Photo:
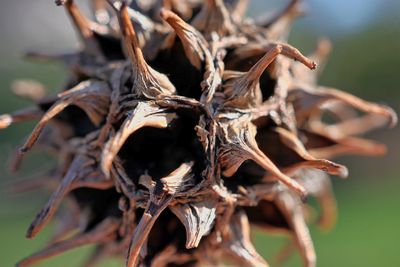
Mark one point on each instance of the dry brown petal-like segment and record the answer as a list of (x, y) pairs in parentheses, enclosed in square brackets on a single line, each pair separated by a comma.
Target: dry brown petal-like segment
[(240, 145), (146, 114), (301, 158), (198, 53), (193, 42), (81, 168), (239, 245), (214, 17), (91, 96), (197, 217)]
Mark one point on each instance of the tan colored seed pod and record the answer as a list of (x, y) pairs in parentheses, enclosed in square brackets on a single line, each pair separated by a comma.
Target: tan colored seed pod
[(182, 124)]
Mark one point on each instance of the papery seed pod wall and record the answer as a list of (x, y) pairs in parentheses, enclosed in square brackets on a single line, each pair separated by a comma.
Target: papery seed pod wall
[(183, 123)]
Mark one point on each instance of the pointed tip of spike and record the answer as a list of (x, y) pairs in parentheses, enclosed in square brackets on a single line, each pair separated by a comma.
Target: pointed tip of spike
[(5, 121), (393, 119), (164, 13), (343, 172), (313, 65), (62, 2), (31, 232)]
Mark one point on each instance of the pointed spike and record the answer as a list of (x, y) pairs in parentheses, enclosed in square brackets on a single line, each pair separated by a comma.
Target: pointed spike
[(139, 237), (48, 211), (291, 141), (239, 244), (261, 159), (214, 17), (19, 116), (249, 82), (291, 209), (193, 42), (327, 166), (352, 126), (363, 105), (242, 146), (83, 27), (294, 53), (55, 109), (102, 233), (349, 146), (254, 74), (5, 121), (131, 43), (157, 203)]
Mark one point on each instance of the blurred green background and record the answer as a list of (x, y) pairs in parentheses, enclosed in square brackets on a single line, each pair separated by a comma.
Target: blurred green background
[(365, 61)]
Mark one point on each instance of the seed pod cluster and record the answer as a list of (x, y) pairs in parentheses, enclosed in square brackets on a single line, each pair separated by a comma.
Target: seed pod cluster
[(181, 124)]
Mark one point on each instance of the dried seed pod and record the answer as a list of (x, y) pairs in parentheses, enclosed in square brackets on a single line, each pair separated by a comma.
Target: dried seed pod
[(216, 105)]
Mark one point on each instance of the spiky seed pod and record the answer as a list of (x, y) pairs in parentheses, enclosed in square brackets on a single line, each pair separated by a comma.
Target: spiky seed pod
[(181, 125)]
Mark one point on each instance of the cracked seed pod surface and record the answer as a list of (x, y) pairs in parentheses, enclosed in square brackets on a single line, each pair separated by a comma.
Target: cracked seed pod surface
[(181, 125)]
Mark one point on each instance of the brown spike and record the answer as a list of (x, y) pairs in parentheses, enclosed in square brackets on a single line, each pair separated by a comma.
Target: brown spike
[(159, 200), (214, 17), (83, 28), (363, 105), (48, 211), (19, 116), (244, 87), (147, 81), (290, 206), (193, 42), (290, 140), (72, 96), (131, 43), (104, 232)]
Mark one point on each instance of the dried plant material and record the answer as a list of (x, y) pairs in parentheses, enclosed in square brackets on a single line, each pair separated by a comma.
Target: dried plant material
[(161, 194), (198, 219), (103, 232), (239, 243), (144, 115), (214, 17), (228, 113)]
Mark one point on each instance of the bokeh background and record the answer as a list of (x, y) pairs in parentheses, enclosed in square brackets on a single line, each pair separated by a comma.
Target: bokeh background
[(365, 61)]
